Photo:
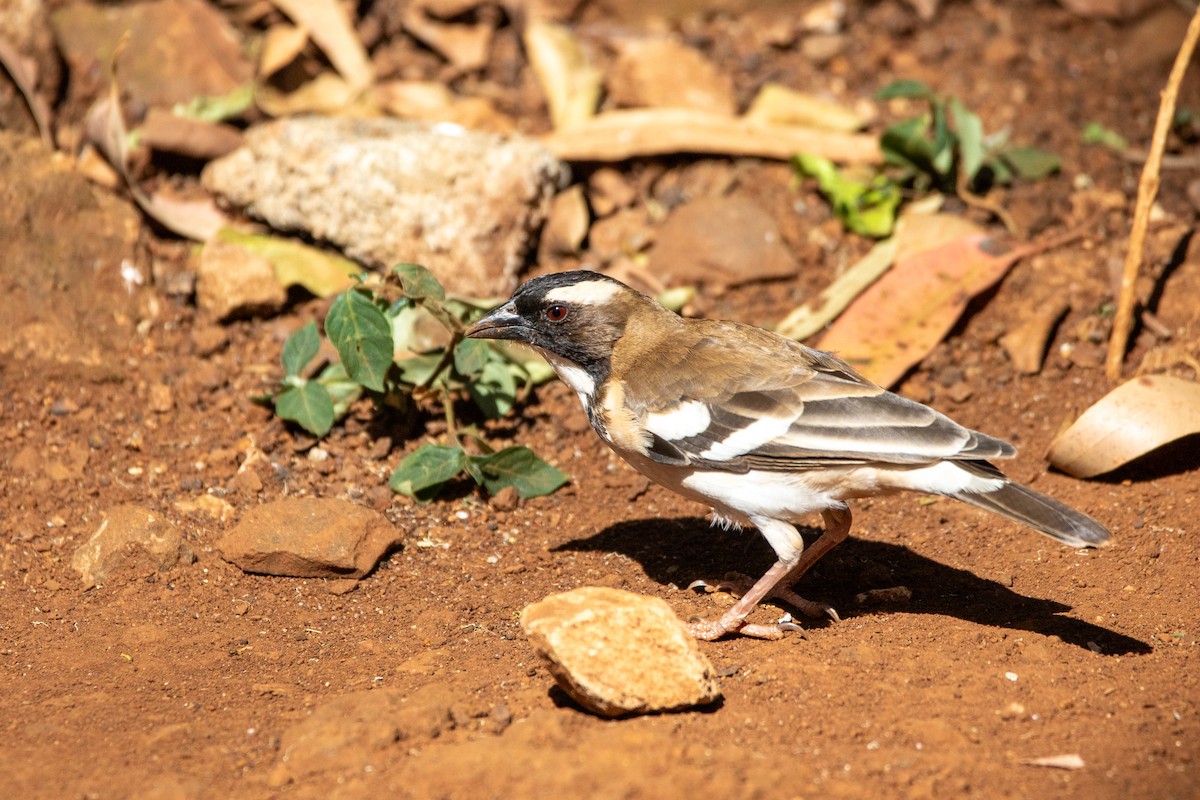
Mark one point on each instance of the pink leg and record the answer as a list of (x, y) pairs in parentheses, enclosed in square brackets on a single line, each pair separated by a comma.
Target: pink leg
[(775, 582)]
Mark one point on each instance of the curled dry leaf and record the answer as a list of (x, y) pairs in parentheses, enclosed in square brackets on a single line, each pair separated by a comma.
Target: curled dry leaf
[(24, 74), (281, 44), (1137, 417), (331, 29), (571, 84), (327, 93), (465, 46), (105, 129), (618, 135)]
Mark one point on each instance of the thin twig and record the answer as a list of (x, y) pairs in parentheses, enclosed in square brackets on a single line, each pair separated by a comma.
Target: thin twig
[(1147, 190)]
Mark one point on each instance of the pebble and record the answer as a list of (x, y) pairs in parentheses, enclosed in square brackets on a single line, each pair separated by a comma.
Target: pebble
[(129, 532), (309, 537), (617, 653)]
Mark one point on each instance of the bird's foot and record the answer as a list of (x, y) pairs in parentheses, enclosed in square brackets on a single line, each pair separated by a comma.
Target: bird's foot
[(709, 630), (738, 584)]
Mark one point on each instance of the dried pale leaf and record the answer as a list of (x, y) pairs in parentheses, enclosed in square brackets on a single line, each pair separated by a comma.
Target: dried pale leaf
[(280, 46), (898, 320), (571, 84), (24, 74), (780, 105), (1133, 419), (813, 316), (1026, 343), (619, 135), (297, 264), (434, 102), (162, 130), (333, 31), (105, 128), (327, 93), (566, 225), (1068, 761), (465, 46)]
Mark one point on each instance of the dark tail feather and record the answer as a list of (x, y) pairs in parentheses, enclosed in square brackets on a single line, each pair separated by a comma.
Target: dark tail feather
[(1042, 513)]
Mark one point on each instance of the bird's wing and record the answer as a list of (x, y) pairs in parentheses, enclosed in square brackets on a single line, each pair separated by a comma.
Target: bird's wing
[(756, 401)]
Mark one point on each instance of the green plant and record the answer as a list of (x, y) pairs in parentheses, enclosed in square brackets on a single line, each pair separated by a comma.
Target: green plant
[(946, 148), (943, 149), (435, 365)]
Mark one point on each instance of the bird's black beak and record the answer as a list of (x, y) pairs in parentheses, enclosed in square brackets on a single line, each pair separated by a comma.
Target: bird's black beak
[(500, 323)]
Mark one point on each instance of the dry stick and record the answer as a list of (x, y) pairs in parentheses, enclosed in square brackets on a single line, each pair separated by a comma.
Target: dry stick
[(1147, 189)]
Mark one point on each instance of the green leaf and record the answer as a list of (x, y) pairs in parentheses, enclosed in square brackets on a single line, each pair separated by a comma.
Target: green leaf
[(907, 144), (300, 348), (418, 283), (1031, 163), (308, 405), (866, 208), (417, 370), (970, 139), (421, 474), (362, 336), (520, 468), (905, 88), (1095, 133), (495, 390), (942, 143), (342, 390), (470, 356), (217, 108)]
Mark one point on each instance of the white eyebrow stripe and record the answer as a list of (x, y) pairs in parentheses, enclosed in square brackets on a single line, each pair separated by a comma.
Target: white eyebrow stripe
[(684, 420), (592, 293), (748, 439)]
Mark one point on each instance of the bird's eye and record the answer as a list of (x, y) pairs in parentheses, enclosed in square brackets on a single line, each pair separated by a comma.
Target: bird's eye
[(556, 313)]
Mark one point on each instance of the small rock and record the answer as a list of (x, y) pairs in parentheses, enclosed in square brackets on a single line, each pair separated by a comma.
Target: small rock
[(722, 240), (161, 399), (208, 339), (206, 505), (505, 499), (566, 225), (892, 596), (618, 653), (127, 532), (463, 203), (233, 282), (309, 537)]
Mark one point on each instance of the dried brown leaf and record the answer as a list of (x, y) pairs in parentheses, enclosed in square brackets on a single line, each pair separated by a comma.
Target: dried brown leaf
[(281, 44), (105, 129), (571, 84), (1026, 343), (24, 74), (162, 130), (1133, 419), (902, 316), (777, 104), (467, 47), (333, 31)]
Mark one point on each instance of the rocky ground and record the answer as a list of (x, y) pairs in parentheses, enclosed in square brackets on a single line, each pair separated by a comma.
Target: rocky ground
[(163, 669)]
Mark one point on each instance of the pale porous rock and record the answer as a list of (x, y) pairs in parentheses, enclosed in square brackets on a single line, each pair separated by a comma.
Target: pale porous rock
[(464, 204), (129, 533), (618, 653), (721, 240), (309, 537)]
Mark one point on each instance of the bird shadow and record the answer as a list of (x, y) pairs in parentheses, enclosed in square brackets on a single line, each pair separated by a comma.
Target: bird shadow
[(681, 550)]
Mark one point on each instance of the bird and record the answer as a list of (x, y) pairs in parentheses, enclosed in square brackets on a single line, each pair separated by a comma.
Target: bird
[(762, 429)]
